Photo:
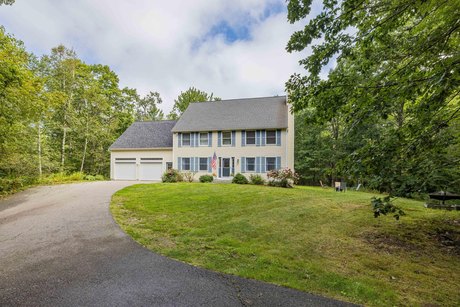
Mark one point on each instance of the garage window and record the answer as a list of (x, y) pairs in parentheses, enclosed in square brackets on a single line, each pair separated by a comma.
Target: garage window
[(186, 164)]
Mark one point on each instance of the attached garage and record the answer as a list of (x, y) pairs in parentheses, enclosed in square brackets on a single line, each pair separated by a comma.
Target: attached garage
[(150, 169), (125, 169), (142, 152)]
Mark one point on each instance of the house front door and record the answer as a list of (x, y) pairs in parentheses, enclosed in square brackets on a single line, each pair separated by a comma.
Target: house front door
[(226, 167)]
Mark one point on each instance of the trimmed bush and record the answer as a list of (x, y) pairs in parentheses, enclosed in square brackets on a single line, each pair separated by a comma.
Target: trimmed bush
[(90, 178), (256, 179), (189, 176), (240, 179), (172, 175), (99, 177), (206, 178)]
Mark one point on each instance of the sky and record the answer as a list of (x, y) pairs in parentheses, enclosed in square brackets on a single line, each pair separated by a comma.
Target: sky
[(234, 49)]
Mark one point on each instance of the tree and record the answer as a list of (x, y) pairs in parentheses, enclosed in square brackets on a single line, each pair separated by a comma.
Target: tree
[(187, 97), (147, 107), (397, 70), (6, 2), (19, 97)]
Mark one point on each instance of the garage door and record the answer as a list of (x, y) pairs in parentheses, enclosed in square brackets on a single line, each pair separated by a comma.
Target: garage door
[(125, 169), (150, 171)]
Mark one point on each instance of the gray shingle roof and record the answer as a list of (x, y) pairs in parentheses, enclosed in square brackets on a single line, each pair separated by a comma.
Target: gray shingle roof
[(153, 134), (235, 114)]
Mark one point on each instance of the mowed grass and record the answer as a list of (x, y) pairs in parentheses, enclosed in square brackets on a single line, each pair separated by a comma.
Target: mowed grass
[(307, 238)]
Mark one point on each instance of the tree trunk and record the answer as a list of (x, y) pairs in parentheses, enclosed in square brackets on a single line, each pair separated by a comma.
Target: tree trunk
[(39, 151), (86, 138)]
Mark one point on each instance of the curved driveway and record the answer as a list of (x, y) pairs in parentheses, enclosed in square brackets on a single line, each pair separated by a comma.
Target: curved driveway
[(60, 246)]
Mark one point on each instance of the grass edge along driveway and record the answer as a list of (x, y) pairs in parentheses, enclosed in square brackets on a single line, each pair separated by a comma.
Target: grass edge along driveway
[(307, 238)]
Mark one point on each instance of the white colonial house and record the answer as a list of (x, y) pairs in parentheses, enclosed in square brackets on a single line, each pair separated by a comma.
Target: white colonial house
[(248, 136)]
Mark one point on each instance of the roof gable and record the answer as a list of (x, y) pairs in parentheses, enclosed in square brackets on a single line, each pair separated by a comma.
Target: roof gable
[(235, 114), (150, 134)]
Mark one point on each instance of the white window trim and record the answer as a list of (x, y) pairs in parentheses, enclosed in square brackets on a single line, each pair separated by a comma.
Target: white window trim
[(182, 140), (189, 164), (266, 138), (246, 138), (199, 164), (199, 139), (266, 163), (246, 165), (231, 137)]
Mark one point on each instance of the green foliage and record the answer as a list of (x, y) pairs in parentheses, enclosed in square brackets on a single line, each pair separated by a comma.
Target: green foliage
[(147, 107), (206, 178), (187, 97), (240, 179), (256, 179), (385, 206), (387, 114), (172, 175), (99, 177)]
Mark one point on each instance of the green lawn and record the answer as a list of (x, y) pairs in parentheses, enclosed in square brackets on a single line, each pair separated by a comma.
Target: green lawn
[(307, 238)]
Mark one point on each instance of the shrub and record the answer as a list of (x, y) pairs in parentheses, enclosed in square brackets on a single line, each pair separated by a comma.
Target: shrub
[(206, 178), (99, 177), (385, 206), (256, 179), (90, 178), (240, 179), (172, 175), (189, 176), (282, 178)]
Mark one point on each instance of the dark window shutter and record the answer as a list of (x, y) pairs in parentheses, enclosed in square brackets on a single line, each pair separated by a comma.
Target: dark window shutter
[(233, 138), (243, 164), (179, 139), (219, 138), (263, 138), (278, 162), (243, 138), (179, 163), (278, 137), (210, 139)]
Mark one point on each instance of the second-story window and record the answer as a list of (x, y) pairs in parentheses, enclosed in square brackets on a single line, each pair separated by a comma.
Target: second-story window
[(185, 139), (250, 137), (270, 137), (227, 138), (204, 139)]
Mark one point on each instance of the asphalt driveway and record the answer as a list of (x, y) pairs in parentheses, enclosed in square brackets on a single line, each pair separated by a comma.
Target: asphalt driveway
[(60, 246)]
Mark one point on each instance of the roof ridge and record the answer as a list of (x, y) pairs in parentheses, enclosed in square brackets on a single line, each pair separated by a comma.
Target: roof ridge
[(250, 98)]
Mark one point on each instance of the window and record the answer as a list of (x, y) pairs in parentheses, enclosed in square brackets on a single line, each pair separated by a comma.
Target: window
[(227, 138), (186, 139), (270, 138), (203, 139), (250, 164), (250, 137), (203, 164), (270, 164), (168, 165), (186, 164)]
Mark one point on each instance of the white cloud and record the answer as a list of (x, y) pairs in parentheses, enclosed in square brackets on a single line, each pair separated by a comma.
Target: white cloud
[(151, 45)]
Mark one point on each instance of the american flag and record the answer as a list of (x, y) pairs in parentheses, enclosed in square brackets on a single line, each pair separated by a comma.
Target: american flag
[(214, 161)]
